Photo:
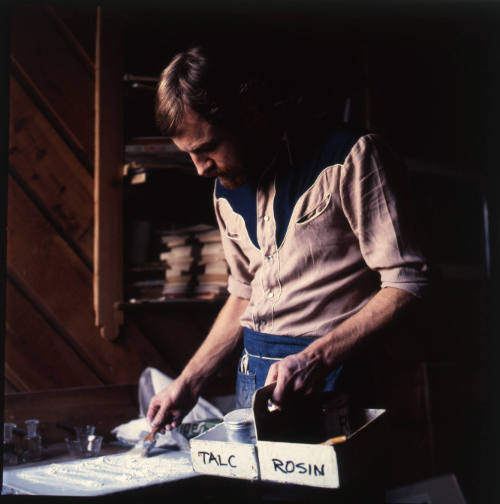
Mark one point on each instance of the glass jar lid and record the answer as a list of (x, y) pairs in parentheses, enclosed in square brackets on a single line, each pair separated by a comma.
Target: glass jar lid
[(239, 419)]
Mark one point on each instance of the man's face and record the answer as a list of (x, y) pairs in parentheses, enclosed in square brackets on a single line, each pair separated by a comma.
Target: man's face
[(214, 151)]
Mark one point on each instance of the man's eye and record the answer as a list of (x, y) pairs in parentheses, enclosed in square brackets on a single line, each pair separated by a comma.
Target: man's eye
[(211, 146)]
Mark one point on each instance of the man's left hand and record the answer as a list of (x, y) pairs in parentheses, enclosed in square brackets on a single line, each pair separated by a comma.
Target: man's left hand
[(298, 377)]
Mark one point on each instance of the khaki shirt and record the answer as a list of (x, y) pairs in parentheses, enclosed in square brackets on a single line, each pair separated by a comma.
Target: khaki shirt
[(314, 241)]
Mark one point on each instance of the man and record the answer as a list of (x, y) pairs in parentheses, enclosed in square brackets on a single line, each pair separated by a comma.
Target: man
[(319, 242)]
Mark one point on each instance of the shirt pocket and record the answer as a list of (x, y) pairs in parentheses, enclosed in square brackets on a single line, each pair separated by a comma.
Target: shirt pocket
[(234, 228), (311, 214), (232, 234)]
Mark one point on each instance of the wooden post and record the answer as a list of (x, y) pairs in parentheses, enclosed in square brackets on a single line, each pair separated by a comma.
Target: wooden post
[(108, 229)]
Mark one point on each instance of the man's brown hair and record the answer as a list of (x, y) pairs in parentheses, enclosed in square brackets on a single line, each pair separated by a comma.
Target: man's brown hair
[(219, 85)]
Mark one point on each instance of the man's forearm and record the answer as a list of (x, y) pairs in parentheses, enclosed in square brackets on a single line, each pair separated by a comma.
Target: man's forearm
[(220, 342), (349, 338)]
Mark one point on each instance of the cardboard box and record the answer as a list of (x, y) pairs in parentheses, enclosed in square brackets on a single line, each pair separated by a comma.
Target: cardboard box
[(212, 453), (278, 457), (316, 464)]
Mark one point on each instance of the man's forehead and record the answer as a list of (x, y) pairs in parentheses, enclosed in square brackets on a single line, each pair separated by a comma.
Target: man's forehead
[(192, 132)]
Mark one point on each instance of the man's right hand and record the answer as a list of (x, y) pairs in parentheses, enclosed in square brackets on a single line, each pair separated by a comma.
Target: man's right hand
[(168, 407)]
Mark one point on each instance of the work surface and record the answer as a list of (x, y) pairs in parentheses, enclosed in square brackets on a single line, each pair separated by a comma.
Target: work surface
[(106, 474), (163, 475)]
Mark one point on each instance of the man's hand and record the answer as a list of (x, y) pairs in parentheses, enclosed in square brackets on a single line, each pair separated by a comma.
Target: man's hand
[(302, 375), (171, 405), (298, 377)]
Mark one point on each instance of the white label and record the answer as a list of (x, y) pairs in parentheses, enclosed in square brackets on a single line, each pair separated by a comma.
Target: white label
[(236, 460), (300, 464)]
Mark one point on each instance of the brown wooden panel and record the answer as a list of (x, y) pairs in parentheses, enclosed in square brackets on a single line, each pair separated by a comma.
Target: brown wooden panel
[(62, 81), (31, 345), (78, 25), (105, 407), (108, 180), (56, 279), (50, 169)]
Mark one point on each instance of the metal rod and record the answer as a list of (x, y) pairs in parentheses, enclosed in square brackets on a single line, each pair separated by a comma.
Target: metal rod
[(130, 77)]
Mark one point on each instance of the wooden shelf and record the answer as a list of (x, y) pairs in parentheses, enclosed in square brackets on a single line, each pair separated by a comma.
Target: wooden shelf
[(170, 302)]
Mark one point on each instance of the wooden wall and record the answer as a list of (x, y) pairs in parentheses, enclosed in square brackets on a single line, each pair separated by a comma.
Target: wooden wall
[(51, 340)]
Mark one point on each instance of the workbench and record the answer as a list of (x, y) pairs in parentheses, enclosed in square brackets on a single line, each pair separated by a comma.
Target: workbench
[(107, 407)]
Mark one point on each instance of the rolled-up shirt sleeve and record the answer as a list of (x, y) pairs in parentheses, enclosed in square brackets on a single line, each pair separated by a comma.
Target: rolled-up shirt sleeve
[(239, 278), (376, 201)]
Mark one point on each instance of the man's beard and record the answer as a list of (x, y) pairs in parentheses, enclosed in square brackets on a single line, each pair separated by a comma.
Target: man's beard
[(232, 178), (232, 182)]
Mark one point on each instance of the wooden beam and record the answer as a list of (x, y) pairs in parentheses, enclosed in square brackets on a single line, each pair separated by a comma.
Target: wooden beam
[(108, 192)]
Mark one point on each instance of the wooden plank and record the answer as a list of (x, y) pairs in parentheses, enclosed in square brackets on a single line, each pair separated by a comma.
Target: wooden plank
[(55, 279), (51, 170), (108, 181), (78, 26), (104, 406), (60, 79), (31, 343)]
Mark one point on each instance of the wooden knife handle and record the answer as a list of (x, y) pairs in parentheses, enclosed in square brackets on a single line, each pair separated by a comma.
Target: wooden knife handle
[(152, 434), (335, 440)]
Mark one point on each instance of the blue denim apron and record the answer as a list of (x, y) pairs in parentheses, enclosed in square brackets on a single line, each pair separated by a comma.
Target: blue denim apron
[(261, 350)]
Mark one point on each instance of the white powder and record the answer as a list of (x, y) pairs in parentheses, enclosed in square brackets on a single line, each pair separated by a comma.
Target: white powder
[(120, 471)]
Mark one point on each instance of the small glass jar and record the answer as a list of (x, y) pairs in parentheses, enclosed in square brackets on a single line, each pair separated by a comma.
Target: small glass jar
[(9, 445), (82, 432), (88, 447), (32, 442), (239, 426)]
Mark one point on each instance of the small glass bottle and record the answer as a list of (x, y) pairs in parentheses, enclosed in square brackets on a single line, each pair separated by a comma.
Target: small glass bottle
[(32, 442), (9, 445)]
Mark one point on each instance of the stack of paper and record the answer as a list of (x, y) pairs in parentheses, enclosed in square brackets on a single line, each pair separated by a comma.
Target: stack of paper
[(194, 262)]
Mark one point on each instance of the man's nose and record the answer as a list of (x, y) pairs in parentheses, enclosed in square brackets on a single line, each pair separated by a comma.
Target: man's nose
[(203, 165)]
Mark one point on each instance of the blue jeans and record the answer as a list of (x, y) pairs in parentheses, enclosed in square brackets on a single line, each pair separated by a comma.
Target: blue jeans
[(261, 350)]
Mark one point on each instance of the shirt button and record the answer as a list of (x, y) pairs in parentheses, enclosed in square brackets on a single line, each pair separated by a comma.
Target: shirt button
[(266, 217), (270, 295), (270, 258)]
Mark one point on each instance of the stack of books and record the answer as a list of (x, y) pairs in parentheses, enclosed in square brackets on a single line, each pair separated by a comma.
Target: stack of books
[(194, 263)]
